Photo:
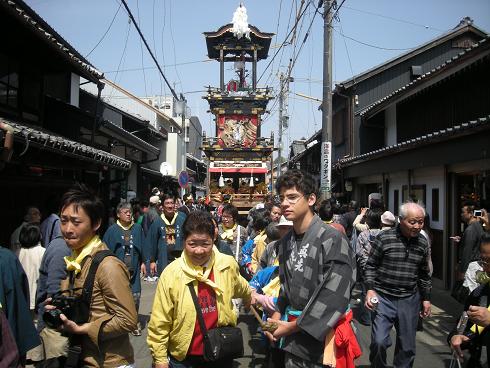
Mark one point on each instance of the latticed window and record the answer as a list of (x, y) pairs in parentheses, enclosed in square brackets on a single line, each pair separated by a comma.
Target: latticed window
[(9, 82)]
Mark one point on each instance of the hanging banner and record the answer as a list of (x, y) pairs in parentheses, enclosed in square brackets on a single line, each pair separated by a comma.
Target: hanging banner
[(326, 170), (237, 130)]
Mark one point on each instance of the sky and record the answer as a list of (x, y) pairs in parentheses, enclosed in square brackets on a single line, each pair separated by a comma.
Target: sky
[(366, 33)]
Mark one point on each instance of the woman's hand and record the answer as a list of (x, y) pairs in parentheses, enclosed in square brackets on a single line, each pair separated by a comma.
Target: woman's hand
[(161, 365)]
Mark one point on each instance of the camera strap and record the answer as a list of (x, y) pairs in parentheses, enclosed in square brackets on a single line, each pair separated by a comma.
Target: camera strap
[(75, 346), (88, 285)]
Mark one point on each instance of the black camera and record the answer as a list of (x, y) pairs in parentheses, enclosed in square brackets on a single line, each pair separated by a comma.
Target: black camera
[(71, 306)]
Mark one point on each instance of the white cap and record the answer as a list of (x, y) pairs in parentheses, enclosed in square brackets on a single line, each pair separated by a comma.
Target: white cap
[(387, 218), (284, 222), (155, 199)]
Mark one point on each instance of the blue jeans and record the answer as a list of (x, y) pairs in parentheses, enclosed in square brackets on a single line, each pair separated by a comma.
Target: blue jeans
[(403, 313), (198, 362)]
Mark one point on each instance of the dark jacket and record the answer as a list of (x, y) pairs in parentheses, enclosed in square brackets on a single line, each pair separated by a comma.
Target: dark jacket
[(14, 297), (479, 297)]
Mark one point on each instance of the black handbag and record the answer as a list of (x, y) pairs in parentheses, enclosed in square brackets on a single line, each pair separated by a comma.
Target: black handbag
[(221, 342), (460, 292)]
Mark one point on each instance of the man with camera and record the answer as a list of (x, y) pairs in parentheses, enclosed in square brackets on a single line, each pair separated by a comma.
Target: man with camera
[(470, 240), (96, 308), (475, 334)]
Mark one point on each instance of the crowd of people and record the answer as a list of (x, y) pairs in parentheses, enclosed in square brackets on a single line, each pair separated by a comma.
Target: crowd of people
[(70, 293)]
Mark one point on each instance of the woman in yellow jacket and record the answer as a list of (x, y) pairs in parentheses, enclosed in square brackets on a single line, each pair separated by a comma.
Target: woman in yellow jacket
[(174, 336)]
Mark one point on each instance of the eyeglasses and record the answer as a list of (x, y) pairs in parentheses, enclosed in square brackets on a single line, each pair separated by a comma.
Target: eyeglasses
[(227, 217), (292, 199)]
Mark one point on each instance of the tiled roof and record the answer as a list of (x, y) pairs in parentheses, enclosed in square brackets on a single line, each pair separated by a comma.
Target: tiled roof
[(64, 146), (464, 26), (443, 134), (423, 77), (32, 19)]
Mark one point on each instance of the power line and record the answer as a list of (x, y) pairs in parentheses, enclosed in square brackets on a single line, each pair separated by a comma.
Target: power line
[(284, 42), (106, 32), (154, 67), (346, 50), (141, 47), (149, 50), (371, 45), (395, 19), (122, 55)]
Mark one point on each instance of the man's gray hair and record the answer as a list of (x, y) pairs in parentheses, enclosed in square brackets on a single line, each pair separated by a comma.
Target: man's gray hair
[(123, 206), (407, 206)]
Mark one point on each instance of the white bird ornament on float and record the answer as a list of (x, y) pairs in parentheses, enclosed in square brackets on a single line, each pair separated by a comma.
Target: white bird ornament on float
[(240, 23)]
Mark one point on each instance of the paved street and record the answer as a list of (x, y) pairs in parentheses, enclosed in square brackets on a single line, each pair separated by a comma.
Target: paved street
[(432, 350)]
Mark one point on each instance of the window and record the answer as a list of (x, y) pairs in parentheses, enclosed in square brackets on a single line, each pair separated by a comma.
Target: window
[(435, 204), (9, 82), (396, 201)]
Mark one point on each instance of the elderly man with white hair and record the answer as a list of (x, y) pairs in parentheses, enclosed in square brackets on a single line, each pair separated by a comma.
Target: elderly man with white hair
[(397, 279)]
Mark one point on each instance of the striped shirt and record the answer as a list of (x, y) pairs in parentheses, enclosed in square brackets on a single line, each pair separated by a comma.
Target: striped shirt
[(398, 265)]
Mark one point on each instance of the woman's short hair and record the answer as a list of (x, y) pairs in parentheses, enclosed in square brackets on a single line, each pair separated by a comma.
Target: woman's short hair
[(261, 218), (272, 232), (30, 236), (325, 211), (198, 222), (231, 210), (123, 206), (373, 218)]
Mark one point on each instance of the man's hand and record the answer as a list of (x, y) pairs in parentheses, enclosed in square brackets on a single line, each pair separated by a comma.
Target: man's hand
[(143, 269), (71, 327), (153, 268), (367, 301), (479, 315), (456, 342), (161, 365), (426, 309), (283, 328), (455, 238)]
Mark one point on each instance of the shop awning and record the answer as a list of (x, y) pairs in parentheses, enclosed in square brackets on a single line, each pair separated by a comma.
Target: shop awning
[(240, 170)]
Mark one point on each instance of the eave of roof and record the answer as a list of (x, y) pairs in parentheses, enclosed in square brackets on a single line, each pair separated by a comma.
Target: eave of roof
[(407, 55), (446, 65), (130, 139), (470, 127), (32, 19), (54, 143)]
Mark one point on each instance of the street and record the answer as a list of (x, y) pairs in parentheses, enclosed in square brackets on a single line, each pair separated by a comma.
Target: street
[(432, 349)]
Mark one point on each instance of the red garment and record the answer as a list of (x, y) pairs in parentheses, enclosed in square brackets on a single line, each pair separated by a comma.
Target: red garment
[(207, 300), (338, 227), (347, 347)]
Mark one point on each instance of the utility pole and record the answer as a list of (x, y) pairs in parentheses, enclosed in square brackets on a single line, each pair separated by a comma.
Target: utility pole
[(281, 106), (327, 155)]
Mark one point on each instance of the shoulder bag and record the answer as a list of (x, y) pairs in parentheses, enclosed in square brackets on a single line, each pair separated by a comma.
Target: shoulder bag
[(221, 342)]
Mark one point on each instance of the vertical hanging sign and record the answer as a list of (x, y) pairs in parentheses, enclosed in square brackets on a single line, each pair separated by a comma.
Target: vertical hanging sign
[(326, 170)]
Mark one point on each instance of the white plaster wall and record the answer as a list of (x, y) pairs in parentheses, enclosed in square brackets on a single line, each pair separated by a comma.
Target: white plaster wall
[(174, 153), (75, 90), (390, 125), (432, 177)]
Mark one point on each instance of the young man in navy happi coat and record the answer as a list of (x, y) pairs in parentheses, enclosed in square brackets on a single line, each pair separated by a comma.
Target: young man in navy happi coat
[(125, 240)]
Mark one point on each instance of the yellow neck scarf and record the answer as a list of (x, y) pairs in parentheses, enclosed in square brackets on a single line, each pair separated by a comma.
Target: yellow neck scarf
[(228, 232), (328, 222), (74, 262), (260, 237), (171, 222), (480, 328), (194, 272), (125, 227)]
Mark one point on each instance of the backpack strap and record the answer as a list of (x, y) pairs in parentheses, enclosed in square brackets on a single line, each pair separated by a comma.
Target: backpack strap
[(88, 285)]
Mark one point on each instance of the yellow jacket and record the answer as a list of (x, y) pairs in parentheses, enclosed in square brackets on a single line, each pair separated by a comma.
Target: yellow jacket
[(260, 246), (173, 316)]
